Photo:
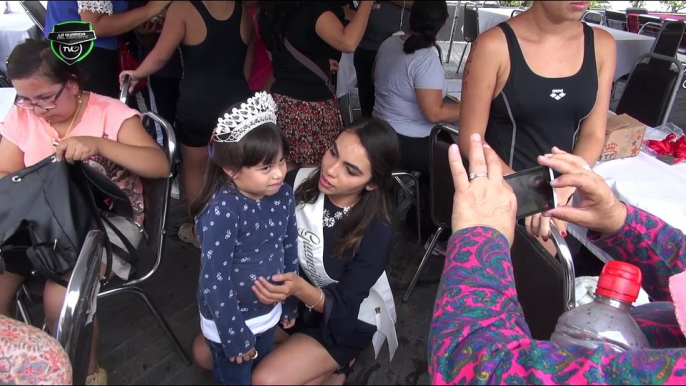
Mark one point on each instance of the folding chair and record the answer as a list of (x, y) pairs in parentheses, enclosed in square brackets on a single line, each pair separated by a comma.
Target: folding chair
[(594, 17), (411, 193), (471, 28), (156, 195), (651, 89), (442, 193), (615, 19), (544, 283), (74, 328), (668, 37), (36, 12)]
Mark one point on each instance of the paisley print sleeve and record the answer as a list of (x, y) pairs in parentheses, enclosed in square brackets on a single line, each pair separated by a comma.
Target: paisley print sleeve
[(479, 336), (29, 356), (650, 244)]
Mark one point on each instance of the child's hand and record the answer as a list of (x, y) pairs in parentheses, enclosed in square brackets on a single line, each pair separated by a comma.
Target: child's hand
[(287, 323), (252, 354), (269, 293)]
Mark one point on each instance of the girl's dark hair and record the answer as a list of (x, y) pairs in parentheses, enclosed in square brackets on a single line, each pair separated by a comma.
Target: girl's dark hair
[(35, 58), (426, 19), (276, 16), (260, 145), (383, 149)]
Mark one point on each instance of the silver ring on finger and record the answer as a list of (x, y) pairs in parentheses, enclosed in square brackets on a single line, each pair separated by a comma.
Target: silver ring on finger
[(588, 167), (477, 175)]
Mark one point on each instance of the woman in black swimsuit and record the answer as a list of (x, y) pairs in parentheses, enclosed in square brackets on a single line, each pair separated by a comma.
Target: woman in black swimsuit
[(539, 80), (216, 39)]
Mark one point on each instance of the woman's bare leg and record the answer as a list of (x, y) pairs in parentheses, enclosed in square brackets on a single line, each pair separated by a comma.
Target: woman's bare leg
[(202, 356), (194, 165), (297, 361)]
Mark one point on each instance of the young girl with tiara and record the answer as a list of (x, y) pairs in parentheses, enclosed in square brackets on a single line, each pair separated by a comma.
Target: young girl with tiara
[(245, 221)]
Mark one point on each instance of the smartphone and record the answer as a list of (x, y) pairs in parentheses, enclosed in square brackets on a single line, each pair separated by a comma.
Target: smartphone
[(533, 191)]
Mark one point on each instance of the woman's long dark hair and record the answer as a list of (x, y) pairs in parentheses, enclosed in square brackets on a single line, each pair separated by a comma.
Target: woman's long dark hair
[(261, 144), (426, 19), (381, 144), (35, 57)]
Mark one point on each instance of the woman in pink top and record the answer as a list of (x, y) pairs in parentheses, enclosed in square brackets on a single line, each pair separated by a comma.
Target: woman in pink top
[(53, 115)]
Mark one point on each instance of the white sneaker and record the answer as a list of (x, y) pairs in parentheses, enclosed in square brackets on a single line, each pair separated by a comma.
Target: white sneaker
[(176, 189)]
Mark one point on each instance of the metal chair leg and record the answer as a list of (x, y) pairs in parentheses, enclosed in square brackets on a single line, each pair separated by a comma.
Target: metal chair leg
[(22, 311), (462, 57), (430, 249), (160, 319), (413, 196)]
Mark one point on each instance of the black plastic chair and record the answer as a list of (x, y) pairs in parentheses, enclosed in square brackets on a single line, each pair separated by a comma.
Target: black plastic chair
[(441, 192), (36, 12), (651, 89), (557, 274), (645, 19), (545, 283), (74, 328), (667, 41), (411, 192), (471, 28), (615, 19)]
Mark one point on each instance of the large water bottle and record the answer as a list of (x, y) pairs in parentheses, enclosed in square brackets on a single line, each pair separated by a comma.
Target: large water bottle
[(606, 320)]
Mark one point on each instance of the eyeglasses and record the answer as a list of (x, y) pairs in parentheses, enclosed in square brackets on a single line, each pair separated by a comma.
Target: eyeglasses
[(27, 104)]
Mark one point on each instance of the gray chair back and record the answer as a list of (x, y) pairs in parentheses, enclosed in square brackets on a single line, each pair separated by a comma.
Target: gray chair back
[(74, 328)]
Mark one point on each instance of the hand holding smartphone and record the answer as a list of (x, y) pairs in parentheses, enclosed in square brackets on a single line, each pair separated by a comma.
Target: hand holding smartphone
[(533, 191)]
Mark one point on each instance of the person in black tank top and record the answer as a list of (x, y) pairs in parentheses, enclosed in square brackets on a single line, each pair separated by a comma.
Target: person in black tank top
[(539, 80), (532, 113), (214, 77)]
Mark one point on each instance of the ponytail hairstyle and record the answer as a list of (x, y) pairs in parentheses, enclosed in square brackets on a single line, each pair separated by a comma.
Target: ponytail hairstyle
[(259, 145), (426, 19), (383, 149)]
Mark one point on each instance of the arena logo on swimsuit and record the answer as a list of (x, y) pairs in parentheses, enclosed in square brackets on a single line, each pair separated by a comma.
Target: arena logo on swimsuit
[(308, 239), (72, 41), (558, 94)]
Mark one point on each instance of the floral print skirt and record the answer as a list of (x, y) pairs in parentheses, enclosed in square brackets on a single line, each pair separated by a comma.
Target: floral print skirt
[(311, 127)]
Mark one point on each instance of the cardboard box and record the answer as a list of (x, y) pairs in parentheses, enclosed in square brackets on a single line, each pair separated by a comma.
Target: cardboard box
[(623, 137)]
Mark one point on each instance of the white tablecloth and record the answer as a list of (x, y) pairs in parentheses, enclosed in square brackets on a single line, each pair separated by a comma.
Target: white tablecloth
[(645, 183), (14, 27), (630, 46), (491, 17)]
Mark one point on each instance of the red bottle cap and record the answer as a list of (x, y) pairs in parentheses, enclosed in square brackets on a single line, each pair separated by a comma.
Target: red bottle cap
[(620, 281)]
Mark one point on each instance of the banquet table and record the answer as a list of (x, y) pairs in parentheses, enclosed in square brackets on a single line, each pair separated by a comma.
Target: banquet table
[(14, 27), (646, 183), (630, 46)]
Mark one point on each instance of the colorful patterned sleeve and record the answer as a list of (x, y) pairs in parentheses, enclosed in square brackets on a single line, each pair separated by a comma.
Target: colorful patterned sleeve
[(479, 336), (650, 244)]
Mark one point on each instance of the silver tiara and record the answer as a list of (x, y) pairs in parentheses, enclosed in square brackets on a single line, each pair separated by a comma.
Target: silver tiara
[(259, 109)]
